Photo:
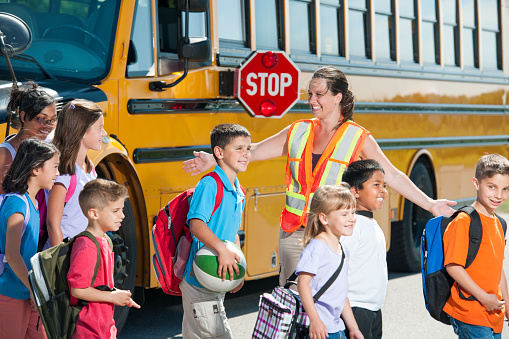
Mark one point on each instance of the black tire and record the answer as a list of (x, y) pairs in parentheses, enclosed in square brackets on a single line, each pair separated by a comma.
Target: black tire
[(404, 254), (126, 236)]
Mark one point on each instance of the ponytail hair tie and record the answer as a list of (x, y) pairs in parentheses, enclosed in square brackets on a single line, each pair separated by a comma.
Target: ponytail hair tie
[(72, 106)]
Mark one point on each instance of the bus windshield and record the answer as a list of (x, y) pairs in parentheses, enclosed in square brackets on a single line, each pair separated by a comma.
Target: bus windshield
[(72, 39)]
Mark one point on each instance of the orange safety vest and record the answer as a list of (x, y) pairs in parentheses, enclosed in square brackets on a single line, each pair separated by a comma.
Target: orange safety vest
[(301, 180)]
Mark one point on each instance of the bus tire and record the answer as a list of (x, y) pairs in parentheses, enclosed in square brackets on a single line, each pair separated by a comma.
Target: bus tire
[(404, 254), (127, 233)]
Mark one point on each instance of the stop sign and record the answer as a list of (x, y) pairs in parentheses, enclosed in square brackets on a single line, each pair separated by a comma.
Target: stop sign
[(267, 84)]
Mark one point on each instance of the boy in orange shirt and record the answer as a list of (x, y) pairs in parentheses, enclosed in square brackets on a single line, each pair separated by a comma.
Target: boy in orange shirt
[(484, 279)]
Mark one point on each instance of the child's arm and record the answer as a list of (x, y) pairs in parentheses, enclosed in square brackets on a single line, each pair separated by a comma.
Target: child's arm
[(460, 275), (227, 259), (117, 297), (350, 322), (317, 329), (56, 203), (236, 289), (505, 292), (13, 248)]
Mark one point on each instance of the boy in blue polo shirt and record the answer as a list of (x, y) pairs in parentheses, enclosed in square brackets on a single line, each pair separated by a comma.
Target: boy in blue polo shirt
[(204, 313)]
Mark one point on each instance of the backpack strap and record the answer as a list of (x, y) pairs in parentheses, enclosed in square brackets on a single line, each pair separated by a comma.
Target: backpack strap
[(98, 262), (503, 223), (220, 191), (72, 187)]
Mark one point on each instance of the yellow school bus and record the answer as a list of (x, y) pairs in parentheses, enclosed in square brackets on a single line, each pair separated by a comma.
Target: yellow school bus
[(430, 80)]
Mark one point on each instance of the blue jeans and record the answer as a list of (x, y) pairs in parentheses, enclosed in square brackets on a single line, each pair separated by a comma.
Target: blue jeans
[(337, 335), (467, 331)]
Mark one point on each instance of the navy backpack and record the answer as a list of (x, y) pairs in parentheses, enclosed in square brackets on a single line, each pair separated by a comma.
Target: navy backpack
[(436, 282)]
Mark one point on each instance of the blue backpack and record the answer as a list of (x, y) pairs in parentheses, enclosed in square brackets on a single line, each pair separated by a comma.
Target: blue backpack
[(436, 282)]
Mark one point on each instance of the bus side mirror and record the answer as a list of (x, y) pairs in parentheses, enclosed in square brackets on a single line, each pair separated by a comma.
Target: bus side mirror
[(198, 49), (194, 5)]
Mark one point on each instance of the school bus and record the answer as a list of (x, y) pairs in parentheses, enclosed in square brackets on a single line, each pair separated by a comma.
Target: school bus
[(430, 80)]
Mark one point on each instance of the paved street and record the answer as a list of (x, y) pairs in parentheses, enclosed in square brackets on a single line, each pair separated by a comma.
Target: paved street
[(404, 313)]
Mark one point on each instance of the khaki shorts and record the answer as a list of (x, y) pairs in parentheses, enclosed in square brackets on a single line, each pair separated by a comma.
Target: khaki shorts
[(290, 249), (204, 314)]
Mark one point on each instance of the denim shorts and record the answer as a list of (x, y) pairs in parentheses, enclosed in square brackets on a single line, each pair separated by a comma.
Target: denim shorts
[(467, 331), (337, 335)]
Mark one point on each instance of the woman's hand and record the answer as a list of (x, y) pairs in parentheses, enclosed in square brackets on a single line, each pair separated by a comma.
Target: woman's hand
[(441, 207), (202, 162)]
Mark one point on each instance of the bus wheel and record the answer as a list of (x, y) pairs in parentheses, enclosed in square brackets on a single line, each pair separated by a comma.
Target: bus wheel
[(404, 254), (125, 250)]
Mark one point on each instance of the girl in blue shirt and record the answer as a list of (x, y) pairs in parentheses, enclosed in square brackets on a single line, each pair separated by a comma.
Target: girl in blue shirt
[(331, 215), (35, 167)]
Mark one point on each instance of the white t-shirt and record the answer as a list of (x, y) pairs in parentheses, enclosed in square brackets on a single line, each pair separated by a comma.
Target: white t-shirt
[(73, 220), (367, 272)]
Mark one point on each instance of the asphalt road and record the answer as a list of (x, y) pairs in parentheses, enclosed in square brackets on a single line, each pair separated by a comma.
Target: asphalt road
[(404, 313)]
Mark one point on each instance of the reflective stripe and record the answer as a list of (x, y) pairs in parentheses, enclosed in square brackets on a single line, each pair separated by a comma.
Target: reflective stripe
[(333, 172), (298, 139), (295, 203), (297, 143)]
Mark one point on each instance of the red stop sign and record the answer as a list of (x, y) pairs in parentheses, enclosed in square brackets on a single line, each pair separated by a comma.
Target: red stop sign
[(267, 84)]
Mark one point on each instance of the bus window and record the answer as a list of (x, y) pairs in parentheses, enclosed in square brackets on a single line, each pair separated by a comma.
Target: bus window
[(384, 30), (331, 23), (141, 51), (232, 23), (408, 51), (302, 36), (470, 34), (490, 35), (429, 33), (450, 36), (359, 28), (269, 24)]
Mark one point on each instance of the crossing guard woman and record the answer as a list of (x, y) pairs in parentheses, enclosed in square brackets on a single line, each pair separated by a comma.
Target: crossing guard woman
[(318, 150)]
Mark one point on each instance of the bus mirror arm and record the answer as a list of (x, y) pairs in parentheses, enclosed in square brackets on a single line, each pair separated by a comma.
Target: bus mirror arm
[(194, 49)]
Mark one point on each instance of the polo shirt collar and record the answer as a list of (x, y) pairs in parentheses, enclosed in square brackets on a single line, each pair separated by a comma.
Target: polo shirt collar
[(226, 182)]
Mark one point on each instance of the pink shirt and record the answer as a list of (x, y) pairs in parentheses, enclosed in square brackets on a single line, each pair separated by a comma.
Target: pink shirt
[(95, 319)]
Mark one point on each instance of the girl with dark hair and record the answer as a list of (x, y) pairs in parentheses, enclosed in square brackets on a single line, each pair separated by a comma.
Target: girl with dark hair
[(80, 128), (34, 168), (318, 150), (35, 116)]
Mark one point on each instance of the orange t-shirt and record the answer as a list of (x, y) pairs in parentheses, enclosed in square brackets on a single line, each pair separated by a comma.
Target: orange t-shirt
[(486, 269)]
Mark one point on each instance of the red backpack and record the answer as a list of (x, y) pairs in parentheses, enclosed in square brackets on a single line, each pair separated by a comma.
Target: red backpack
[(172, 238)]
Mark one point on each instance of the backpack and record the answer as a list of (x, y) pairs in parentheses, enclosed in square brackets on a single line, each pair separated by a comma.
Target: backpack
[(436, 282), (43, 209), (49, 285), (172, 238), (3, 261)]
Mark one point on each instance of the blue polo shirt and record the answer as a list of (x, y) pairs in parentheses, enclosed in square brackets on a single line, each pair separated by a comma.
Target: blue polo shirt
[(10, 285), (226, 220)]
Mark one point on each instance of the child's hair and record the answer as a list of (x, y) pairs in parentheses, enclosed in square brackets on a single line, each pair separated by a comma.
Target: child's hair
[(326, 199), (30, 99), (358, 172), (491, 164), (32, 154), (73, 122), (223, 134), (98, 193)]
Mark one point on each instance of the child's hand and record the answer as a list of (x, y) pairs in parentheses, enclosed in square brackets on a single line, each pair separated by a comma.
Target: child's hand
[(491, 303), (123, 298), (318, 330), (227, 263), (236, 289), (33, 304), (356, 334)]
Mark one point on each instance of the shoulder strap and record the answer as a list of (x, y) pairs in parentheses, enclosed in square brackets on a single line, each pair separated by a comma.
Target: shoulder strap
[(9, 147), (333, 277), (72, 187), (219, 194), (96, 268), (108, 239)]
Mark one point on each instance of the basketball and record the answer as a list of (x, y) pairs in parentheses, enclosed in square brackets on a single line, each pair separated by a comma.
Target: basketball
[(205, 267)]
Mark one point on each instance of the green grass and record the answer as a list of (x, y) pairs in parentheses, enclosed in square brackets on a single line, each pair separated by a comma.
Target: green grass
[(504, 208)]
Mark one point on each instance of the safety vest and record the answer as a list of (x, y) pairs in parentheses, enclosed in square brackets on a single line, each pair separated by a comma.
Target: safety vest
[(301, 180)]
